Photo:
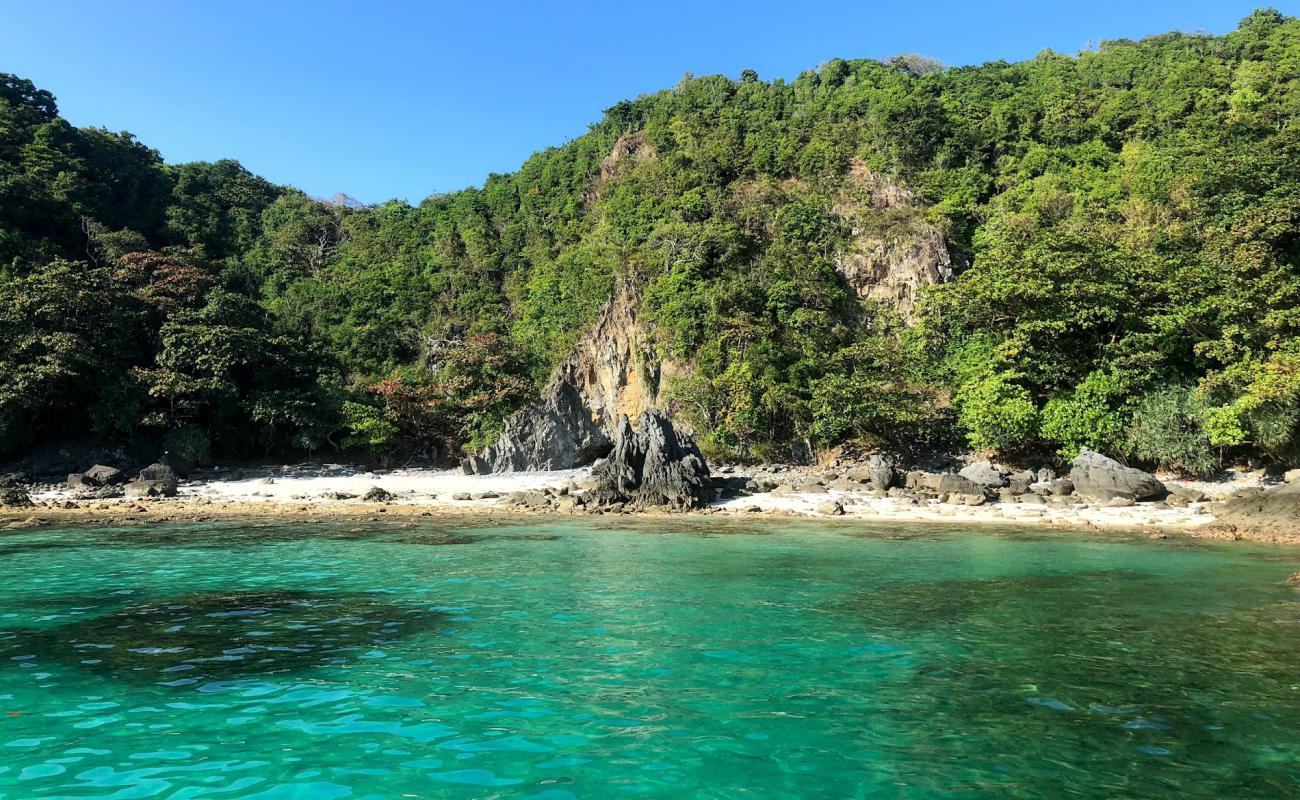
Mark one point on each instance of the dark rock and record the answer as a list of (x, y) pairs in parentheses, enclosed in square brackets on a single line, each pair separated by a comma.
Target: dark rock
[(731, 486), (77, 480), (1102, 478), (12, 480), (13, 497), (159, 472), (652, 465), (180, 464), (376, 494), (985, 474), (475, 465), (102, 475)]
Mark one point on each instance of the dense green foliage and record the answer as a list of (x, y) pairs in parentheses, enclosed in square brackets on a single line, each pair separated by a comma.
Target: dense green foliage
[(1126, 220)]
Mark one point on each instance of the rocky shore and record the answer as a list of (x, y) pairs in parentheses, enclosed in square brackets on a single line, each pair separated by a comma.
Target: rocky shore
[(650, 472)]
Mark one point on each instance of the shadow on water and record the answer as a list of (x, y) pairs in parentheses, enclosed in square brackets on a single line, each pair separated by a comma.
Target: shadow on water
[(223, 635), (209, 537)]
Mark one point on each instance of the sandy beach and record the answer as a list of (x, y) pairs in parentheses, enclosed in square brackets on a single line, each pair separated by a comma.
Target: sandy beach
[(335, 493)]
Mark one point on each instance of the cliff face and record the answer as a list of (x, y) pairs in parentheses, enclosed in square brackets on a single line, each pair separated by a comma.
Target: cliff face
[(609, 374), (612, 374), (894, 251)]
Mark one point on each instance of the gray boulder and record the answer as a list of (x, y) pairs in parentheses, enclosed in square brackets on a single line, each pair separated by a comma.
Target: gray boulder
[(1102, 478), (155, 480), (881, 471), (143, 488), (1020, 482), (652, 465), (102, 475), (985, 474), (947, 483), (831, 509)]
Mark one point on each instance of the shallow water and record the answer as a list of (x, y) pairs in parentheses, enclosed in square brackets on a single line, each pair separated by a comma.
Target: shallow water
[(656, 660)]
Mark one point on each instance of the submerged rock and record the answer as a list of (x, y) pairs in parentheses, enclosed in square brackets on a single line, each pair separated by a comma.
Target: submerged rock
[(1102, 478), (652, 465)]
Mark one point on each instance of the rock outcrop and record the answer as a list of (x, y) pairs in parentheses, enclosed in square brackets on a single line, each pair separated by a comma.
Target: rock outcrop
[(13, 497), (1264, 513), (609, 374), (893, 250), (651, 465), (1102, 478)]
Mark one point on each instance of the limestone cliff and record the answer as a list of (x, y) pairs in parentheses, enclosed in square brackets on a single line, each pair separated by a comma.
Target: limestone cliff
[(609, 374), (893, 250)]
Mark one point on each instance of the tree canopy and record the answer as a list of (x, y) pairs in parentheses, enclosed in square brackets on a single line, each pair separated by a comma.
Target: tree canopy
[(1125, 223)]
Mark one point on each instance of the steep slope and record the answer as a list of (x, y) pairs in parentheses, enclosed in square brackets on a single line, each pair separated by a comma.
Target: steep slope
[(893, 250), (611, 373)]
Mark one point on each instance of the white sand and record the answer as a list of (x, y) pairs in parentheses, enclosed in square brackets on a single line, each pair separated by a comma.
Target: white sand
[(862, 506), (436, 488), (420, 486)]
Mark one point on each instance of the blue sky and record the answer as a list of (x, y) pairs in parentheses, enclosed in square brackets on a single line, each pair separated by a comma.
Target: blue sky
[(385, 99)]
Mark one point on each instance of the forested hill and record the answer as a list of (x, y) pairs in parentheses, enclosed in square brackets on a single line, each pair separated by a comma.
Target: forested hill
[(1122, 224)]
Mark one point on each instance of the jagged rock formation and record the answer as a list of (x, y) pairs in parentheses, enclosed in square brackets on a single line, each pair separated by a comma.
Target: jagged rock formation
[(652, 465), (609, 374), (894, 251)]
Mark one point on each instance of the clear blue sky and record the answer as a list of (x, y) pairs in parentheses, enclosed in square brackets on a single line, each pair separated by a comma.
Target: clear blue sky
[(385, 99)]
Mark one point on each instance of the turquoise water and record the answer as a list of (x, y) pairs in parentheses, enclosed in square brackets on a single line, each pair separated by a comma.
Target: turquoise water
[(659, 659)]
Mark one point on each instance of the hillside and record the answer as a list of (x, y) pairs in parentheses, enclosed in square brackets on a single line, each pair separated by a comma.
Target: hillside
[(1096, 251)]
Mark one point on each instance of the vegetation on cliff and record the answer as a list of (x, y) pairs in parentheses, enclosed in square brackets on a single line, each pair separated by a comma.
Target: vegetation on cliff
[(1124, 225)]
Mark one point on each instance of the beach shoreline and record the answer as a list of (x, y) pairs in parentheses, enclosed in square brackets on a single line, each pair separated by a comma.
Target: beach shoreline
[(290, 495)]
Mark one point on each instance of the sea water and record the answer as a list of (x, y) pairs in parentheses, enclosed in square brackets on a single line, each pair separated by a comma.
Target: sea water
[(652, 658)]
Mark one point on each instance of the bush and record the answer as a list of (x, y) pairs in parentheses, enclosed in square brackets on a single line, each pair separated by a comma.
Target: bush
[(1168, 431), (190, 443), (1086, 416), (997, 414)]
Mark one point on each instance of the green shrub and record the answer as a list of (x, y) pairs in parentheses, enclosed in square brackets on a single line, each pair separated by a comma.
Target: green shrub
[(997, 414), (1086, 416), (1169, 431), (190, 443)]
